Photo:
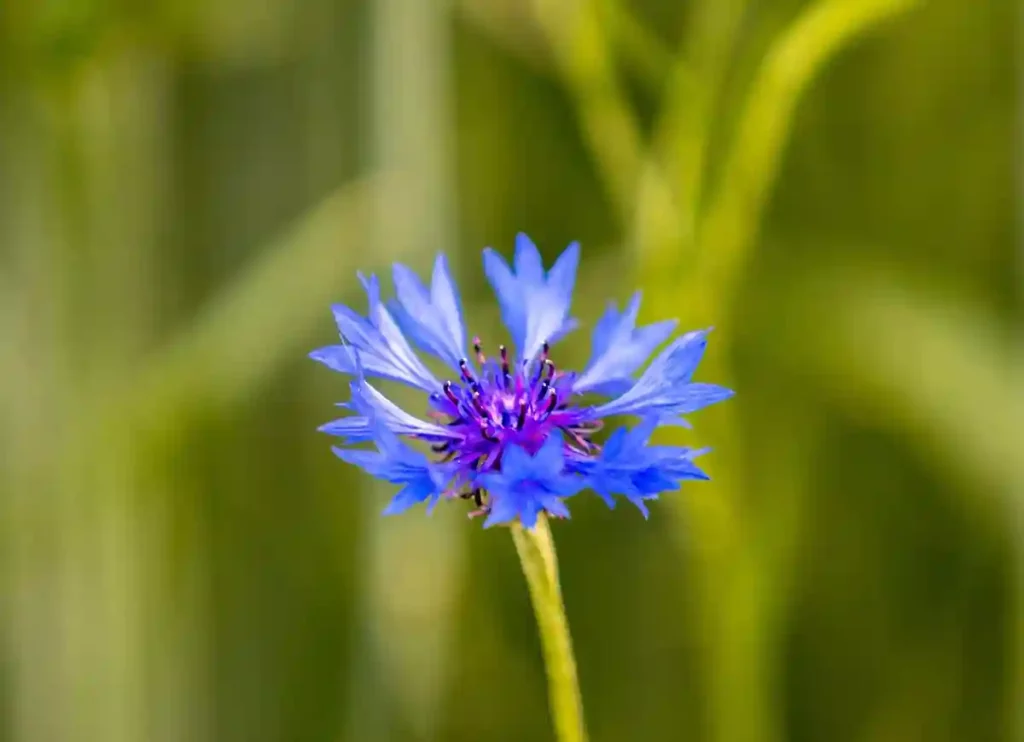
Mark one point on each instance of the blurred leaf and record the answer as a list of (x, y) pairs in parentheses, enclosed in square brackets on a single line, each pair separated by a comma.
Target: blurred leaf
[(581, 46), (931, 364), (639, 46), (695, 84), (257, 323), (726, 231)]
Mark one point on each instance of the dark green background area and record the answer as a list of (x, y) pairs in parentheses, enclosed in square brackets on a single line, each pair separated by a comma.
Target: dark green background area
[(186, 187)]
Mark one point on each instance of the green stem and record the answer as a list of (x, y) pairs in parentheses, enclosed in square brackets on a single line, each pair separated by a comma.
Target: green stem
[(540, 565)]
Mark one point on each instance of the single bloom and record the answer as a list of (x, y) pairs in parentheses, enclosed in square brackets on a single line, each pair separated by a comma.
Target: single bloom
[(513, 432)]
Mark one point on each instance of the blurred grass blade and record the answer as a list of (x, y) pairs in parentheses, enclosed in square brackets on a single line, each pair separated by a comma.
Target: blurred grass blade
[(263, 319), (404, 635), (729, 226), (695, 85), (934, 366), (937, 369), (583, 51), (639, 46)]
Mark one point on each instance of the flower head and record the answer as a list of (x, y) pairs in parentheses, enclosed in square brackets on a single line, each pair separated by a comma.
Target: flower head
[(511, 432)]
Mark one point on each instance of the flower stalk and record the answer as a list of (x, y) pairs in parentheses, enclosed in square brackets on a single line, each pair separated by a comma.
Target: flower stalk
[(537, 555)]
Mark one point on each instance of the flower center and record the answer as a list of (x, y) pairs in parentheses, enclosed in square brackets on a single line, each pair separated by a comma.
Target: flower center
[(500, 403)]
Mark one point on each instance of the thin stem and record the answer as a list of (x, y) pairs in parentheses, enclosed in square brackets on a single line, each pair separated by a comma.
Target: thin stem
[(540, 565)]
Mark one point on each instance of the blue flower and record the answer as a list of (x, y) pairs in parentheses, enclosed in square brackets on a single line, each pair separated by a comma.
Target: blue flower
[(512, 432)]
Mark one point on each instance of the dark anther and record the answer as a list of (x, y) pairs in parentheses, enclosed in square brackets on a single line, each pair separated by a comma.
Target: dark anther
[(504, 364), (521, 420), (544, 351), (480, 357), (478, 497), (466, 373), (544, 387), (540, 373), (552, 401), (448, 392), (440, 447), (546, 384)]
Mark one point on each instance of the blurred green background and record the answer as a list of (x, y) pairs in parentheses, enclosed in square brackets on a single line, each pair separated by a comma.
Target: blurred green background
[(185, 186)]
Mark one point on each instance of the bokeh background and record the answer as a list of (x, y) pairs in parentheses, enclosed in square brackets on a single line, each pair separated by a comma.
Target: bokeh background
[(186, 186)]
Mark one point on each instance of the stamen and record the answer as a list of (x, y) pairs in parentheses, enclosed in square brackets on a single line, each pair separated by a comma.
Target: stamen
[(540, 372), (480, 357), (546, 384), (521, 421), (478, 405), (505, 373), (478, 497), (450, 394), (552, 403), (440, 447), (544, 351), (487, 434), (582, 442), (467, 375)]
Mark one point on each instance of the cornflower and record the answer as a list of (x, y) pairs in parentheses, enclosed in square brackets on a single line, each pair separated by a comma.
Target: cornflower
[(511, 431)]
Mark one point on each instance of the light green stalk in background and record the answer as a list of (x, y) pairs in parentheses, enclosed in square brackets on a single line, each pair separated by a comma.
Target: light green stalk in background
[(673, 219), (537, 555)]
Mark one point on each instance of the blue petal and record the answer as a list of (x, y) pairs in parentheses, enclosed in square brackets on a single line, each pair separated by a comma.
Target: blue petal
[(412, 494), (444, 295), (529, 265), (509, 295), (550, 459), (393, 461), (340, 358), (383, 349), (374, 409), (547, 308), (663, 390), (527, 485), (628, 466), (534, 307), (515, 463), (554, 505), (641, 507), (619, 349), (504, 509), (432, 318)]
